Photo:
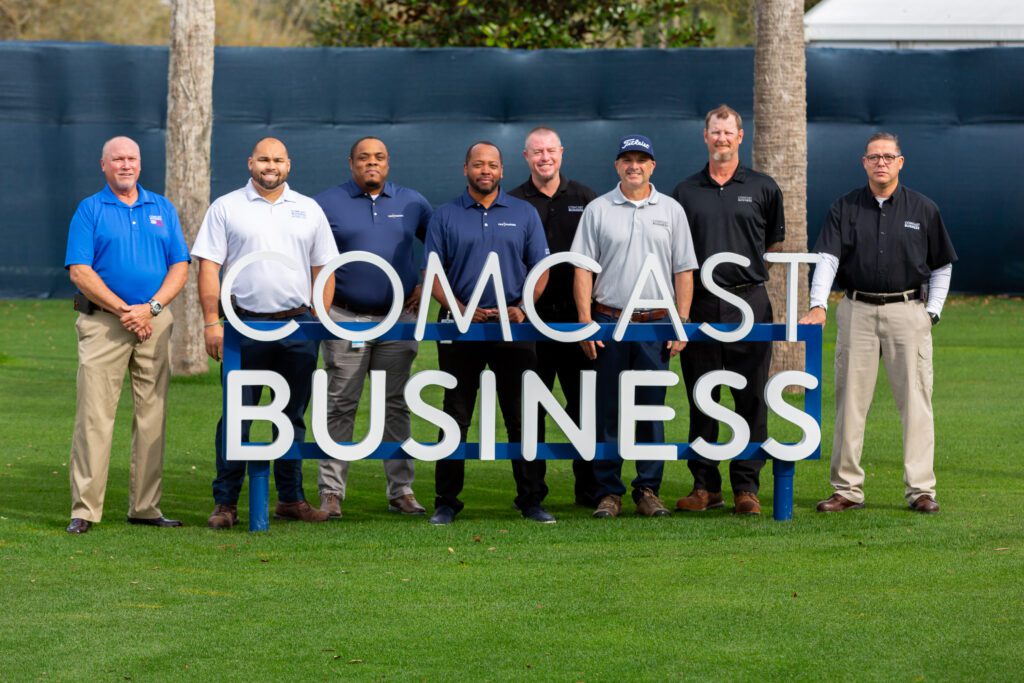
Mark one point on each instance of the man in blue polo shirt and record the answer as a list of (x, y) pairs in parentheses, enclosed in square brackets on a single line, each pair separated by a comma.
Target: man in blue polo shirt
[(370, 213), (462, 233), (128, 259)]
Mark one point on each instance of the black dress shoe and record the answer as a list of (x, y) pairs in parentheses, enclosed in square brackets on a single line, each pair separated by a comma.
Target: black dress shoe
[(443, 515), (155, 521), (78, 525)]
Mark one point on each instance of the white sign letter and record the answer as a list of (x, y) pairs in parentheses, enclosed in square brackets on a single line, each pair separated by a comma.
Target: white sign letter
[(666, 299), (229, 311), (740, 428), (443, 420), (707, 270), (530, 308), (630, 413), (236, 413), (581, 436), (792, 280), (374, 436), (812, 430), (397, 296)]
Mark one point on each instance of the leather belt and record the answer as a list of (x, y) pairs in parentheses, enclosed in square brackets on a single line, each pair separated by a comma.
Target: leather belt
[(280, 315), (637, 317), (341, 303), (881, 299)]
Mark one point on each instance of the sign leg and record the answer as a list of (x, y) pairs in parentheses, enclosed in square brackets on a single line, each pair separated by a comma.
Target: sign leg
[(783, 496), (259, 495)]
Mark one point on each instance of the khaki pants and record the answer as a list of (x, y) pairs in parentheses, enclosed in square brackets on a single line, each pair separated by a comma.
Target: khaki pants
[(105, 351), (347, 370), (901, 335)]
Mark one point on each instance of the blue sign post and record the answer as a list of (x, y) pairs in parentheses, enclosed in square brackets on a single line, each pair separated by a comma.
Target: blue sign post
[(810, 335)]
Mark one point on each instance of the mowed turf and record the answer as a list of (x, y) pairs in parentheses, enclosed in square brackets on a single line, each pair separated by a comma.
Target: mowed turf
[(877, 594)]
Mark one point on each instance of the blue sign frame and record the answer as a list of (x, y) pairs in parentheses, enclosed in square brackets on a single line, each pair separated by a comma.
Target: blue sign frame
[(783, 471)]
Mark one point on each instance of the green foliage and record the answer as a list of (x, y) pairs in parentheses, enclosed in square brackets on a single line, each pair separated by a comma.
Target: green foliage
[(526, 24)]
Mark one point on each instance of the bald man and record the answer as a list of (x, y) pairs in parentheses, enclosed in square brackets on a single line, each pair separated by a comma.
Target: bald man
[(265, 215), (128, 259)]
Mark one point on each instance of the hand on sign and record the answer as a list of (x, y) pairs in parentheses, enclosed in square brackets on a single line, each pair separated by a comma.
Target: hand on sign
[(516, 315), (590, 348), (412, 303), (674, 347), (213, 337), (815, 316), (482, 315)]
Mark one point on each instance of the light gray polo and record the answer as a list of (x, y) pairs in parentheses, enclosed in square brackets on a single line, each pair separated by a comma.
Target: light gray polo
[(619, 234)]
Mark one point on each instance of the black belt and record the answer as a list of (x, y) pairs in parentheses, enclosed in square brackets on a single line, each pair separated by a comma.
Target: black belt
[(341, 303), (280, 315), (637, 317), (881, 299)]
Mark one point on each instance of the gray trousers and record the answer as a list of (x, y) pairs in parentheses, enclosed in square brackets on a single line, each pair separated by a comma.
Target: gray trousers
[(347, 370)]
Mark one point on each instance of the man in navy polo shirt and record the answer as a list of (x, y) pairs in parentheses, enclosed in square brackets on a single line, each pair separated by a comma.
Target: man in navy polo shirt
[(128, 259), (462, 233), (370, 213)]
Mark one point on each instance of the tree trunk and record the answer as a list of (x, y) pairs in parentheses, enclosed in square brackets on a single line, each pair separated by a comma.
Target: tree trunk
[(187, 179), (780, 144)]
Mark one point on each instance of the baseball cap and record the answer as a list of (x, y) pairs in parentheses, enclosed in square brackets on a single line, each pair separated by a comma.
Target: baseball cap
[(635, 143)]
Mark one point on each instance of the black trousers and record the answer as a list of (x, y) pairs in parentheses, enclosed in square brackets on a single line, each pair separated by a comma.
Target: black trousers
[(508, 361), (750, 359)]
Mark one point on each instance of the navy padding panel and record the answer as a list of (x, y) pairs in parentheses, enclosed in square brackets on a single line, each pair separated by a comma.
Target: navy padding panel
[(960, 116)]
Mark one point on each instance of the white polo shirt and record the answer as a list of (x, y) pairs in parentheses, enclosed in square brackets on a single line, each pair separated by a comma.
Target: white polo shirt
[(619, 234), (243, 222)]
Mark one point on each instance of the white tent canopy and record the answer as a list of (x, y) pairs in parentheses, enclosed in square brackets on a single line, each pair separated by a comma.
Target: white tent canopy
[(915, 23)]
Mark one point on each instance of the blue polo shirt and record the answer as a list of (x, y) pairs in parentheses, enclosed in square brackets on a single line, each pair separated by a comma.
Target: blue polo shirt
[(386, 226), (463, 232), (130, 247)]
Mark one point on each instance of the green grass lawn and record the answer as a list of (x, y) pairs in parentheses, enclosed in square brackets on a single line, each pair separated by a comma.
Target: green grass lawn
[(878, 594)]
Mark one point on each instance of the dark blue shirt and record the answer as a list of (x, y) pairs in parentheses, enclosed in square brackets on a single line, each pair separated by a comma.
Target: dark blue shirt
[(130, 247), (386, 226), (462, 233)]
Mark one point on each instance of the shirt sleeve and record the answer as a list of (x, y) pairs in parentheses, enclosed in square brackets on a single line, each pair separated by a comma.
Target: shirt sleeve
[(177, 250), (585, 242), (81, 249), (435, 240), (536, 240), (940, 247), (684, 257), (775, 214), (821, 284), (830, 239), (211, 242), (324, 248)]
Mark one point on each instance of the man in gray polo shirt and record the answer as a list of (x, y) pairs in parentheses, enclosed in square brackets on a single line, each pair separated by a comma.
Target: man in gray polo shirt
[(619, 230)]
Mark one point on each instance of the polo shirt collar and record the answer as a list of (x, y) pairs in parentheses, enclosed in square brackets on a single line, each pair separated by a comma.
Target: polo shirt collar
[(107, 196), (467, 201), (530, 190), (619, 198), (895, 198), (738, 177), (355, 191), (289, 195)]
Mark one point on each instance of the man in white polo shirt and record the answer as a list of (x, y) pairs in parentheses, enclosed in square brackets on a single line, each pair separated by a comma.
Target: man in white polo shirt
[(265, 215), (619, 230)]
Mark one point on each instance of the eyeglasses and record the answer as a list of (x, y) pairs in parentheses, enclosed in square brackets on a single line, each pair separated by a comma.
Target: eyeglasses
[(887, 158)]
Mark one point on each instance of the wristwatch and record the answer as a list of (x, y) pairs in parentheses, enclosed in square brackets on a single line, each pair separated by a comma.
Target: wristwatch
[(155, 307), (935, 318)]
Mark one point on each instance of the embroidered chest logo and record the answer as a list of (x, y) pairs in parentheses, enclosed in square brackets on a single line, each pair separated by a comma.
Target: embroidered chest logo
[(158, 221), (662, 223), (575, 208), (298, 213), (506, 225), (396, 215), (745, 200), (912, 225)]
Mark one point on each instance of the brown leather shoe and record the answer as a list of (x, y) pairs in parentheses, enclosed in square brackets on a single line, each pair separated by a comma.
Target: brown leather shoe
[(331, 504), (78, 526), (407, 505), (223, 517), (925, 504), (300, 511), (837, 503), (650, 505), (700, 500), (610, 506), (747, 503)]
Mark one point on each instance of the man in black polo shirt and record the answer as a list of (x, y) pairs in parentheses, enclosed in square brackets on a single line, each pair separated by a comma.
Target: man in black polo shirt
[(560, 202), (735, 209), (883, 244)]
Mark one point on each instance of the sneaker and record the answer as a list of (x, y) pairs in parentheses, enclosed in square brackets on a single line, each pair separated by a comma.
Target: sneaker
[(443, 515), (331, 504), (610, 506), (300, 511), (223, 517), (407, 505), (650, 505), (747, 503), (538, 514), (700, 500)]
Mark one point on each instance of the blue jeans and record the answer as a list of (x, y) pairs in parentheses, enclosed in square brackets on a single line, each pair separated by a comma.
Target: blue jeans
[(611, 360), (295, 360)]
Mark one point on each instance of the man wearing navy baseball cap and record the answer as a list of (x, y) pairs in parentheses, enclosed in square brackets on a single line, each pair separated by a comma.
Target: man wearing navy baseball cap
[(620, 230)]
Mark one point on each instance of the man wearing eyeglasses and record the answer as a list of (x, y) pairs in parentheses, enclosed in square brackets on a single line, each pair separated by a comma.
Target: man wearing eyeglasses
[(888, 249)]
